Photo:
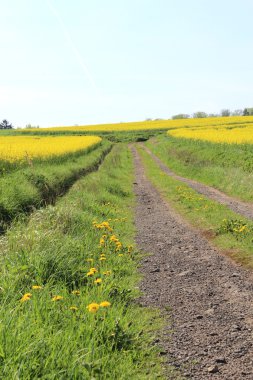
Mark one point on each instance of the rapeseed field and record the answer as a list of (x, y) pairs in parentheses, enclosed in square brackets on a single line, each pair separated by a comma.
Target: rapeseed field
[(23, 148)]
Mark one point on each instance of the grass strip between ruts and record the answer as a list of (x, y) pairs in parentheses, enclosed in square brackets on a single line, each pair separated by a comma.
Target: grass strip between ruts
[(69, 283), (227, 167), (227, 230)]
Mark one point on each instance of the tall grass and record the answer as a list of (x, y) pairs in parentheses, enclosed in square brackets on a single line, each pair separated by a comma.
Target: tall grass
[(42, 338)]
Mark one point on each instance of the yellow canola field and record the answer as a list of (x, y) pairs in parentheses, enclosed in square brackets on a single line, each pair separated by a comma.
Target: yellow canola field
[(150, 125), (221, 134), (18, 148)]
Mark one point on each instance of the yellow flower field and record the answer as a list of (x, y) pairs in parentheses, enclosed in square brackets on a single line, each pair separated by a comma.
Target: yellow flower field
[(18, 148), (221, 134), (150, 125)]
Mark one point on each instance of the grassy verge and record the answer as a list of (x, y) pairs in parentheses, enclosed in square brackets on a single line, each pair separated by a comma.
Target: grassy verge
[(227, 167), (227, 229), (68, 285), (35, 186)]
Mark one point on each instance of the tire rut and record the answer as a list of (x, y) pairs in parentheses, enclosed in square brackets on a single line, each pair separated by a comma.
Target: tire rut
[(243, 208), (205, 296)]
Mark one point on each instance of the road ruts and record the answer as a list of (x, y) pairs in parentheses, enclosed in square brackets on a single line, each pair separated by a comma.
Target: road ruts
[(208, 298), (243, 208)]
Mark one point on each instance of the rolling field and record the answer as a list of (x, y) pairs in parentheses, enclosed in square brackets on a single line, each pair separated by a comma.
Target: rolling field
[(75, 212), (155, 125)]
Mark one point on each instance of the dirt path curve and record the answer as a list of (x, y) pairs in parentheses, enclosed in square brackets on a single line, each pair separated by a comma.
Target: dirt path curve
[(210, 298), (240, 207)]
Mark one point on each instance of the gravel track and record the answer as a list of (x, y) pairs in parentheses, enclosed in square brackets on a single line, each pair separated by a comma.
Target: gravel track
[(240, 207), (207, 297)]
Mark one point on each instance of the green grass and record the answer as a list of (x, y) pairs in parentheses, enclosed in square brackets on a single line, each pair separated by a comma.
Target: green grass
[(216, 221), (113, 136), (228, 167), (24, 190), (43, 339)]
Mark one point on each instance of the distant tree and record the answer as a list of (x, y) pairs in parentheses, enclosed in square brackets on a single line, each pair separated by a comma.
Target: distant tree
[(199, 115), (29, 126), (225, 112), (213, 115), (148, 119), (248, 112), (237, 113), (6, 125), (180, 116)]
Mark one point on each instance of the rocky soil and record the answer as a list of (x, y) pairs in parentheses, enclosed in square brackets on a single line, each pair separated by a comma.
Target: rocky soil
[(205, 297)]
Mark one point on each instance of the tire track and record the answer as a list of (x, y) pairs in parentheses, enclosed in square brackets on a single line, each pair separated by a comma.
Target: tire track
[(243, 208), (209, 297)]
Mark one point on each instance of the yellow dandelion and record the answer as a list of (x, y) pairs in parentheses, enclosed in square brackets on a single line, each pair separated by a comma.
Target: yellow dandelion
[(76, 292), (113, 238), (36, 287), (57, 298), (105, 304), (93, 307), (73, 308), (120, 254), (26, 297), (102, 258), (98, 281), (90, 273)]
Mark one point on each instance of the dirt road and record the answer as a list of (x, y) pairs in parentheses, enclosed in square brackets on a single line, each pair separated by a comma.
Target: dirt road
[(208, 298), (240, 207)]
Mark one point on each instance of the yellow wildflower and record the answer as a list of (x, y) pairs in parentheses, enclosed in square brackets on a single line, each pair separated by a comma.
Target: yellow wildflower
[(35, 287), (98, 281), (102, 258), (90, 273), (76, 292), (57, 298), (26, 297), (114, 238), (73, 308), (105, 304), (93, 307)]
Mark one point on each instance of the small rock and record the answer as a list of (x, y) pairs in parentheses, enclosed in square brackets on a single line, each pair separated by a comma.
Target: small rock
[(199, 316), (155, 270), (221, 360), (236, 328), (213, 369), (235, 275), (184, 273)]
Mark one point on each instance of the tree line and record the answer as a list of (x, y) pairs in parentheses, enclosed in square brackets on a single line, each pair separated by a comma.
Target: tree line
[(223, 113)]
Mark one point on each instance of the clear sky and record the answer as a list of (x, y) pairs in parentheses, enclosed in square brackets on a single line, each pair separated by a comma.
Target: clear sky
[(66, 62)]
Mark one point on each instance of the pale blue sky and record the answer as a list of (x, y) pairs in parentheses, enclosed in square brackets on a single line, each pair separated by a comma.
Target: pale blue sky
[(66, 62)]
